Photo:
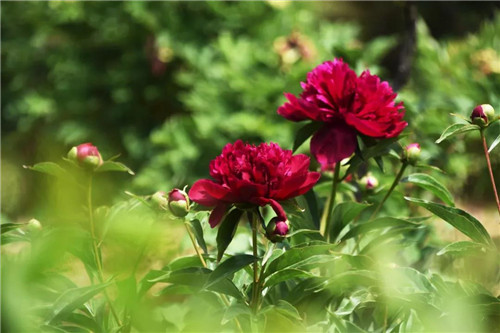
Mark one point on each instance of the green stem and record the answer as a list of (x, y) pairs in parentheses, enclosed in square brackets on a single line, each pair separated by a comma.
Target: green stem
[(255, 291), (204, 263), (193, 241), (393, 186), (331, 202), (487, 155), (96, 250)]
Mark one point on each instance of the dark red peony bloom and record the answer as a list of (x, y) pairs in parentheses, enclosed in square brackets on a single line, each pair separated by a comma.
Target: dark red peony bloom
[(258, 175), (348, 105)]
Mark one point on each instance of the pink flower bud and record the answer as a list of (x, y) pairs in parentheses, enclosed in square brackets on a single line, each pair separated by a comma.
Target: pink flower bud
[(178, 202), (368, 182), (86, 155), (482, 114), (412, 153), (277, 229)]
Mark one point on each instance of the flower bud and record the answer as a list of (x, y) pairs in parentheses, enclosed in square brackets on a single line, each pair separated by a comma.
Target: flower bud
[(85, 155), (482, 114), (412, 153), (368, 182), (34, 226), (178, 202), (277, 229), (160, 200)]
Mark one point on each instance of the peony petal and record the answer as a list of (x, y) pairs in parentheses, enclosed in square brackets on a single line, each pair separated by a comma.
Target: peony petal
[(311, 180), (217, 214), (208, 193), (275, 205), (333, 143)]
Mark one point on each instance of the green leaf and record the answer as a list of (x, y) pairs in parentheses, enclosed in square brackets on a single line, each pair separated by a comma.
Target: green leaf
[(379, 223), (312, 205), (234, 311), (494, 144), (462, 248), (229, 267), (198, 232), (379, 149), (83, 321), (6, 227), (295, 256), (184, 262), (459, 219), (114, 166), (147, 281), (284, 275), (49, 168), (73, 299), (304, 133), (226, 232), (431, 184), (343, 213), (456, 129)]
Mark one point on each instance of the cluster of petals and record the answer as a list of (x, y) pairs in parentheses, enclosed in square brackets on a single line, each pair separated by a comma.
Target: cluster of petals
[(256, 175), (348, 105)]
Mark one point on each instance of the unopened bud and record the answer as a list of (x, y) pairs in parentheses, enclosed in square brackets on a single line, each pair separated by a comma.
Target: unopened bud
[(85, 155), (368, 182), (412, 153), (277, 229), (178, 202), (160, 200), (34, 226), (482, 114)]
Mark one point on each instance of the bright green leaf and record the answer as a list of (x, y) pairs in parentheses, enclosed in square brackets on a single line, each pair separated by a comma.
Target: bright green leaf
[(494, 144), (462, 248), (229, 267), (114, 166), (456, 129), (343, 213), (49, 168), (431, 184)]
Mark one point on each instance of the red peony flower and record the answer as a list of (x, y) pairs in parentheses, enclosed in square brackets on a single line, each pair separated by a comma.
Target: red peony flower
[(257, 175), (348, 105)]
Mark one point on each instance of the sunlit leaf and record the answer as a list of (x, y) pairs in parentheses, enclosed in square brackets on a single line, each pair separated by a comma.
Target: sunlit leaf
[(494, 144), (284, 275), (73, 299), (431, 184), (379, 223), (343, 213), (456, 129), (462, 248), (459, 219), (6, 227), (49, 168), (114, 166)]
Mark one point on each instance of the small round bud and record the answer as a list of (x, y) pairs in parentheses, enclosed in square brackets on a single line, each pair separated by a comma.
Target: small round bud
[(412, 153), (482, 114), (160, 200), (178, 202), (85, 155), (34, 226), (368, 182), (277, 229)]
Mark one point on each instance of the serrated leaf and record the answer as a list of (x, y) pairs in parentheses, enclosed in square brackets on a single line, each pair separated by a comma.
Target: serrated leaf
[(431, 184), (456, 129), (304, 133), (343, 213), (379, 223), (494, 144), (49, 168), (462, 248), (229, 267), (226, 232), (198, 232), (114, 166), (459, 219), (72, 299)]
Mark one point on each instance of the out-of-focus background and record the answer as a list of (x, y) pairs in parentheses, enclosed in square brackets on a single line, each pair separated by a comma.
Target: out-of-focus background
[(168, 84)]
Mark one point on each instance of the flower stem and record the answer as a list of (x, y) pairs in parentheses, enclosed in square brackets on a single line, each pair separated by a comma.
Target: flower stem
[(487, 155), (97, 253), (255, 290), (204, 263), (191, 236), (393, 186), (331, 202)]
